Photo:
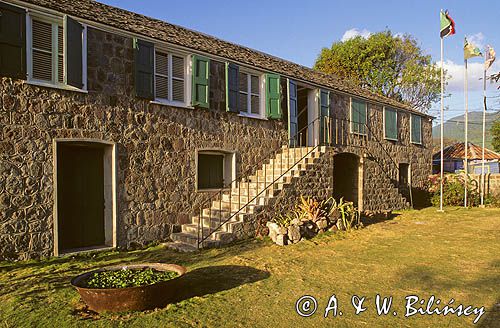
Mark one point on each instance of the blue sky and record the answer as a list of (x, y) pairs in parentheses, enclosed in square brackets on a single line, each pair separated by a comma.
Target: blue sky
[(297, 31)]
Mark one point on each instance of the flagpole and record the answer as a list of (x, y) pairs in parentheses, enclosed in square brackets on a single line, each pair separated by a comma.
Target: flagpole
[(484, 134), (466, 135), (442, 129)]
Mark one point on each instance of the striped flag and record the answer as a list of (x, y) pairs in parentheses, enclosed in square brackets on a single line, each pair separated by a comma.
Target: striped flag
[(470, 50), (489, 58), (447, 24)]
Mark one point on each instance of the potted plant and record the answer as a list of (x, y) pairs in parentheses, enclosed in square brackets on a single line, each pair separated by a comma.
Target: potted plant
[(135, 287)]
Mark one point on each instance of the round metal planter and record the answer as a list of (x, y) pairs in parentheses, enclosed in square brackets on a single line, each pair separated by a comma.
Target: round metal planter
[(131, 298)]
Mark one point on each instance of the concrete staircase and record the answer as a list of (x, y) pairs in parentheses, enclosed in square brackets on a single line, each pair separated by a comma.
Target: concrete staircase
[(245, 199)]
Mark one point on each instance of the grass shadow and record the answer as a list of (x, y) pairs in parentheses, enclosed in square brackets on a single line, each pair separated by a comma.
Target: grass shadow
[(214, 279), (367, 221)]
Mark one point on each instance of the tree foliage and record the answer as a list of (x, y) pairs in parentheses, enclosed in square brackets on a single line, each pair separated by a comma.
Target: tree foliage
[(495, 133), (387, 64)]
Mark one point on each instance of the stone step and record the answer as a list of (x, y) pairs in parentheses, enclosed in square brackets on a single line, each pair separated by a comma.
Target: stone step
[(225, 203), (243, 199), (289, 161), (260, 186), (214, 240), (230, 226), (192, 240), (182, 247), (252, 192), (283, 166), (214, 222)]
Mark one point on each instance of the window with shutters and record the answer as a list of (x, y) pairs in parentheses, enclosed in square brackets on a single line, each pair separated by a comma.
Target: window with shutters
[(359, 113), (46, 52), (170, 77), (390, 124), (416, 129), (249, 94)]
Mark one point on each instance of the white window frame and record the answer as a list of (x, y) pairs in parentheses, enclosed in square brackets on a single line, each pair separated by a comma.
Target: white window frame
[(228, 167), (187, 80), (383, 122), (411, 130), (351, 124), (249, 94), (54, 83)]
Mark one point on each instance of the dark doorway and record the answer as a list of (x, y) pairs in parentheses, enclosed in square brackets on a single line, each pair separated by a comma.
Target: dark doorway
[(210, 171), (346, 177), (404, 180), (302, 115), (80, 196)]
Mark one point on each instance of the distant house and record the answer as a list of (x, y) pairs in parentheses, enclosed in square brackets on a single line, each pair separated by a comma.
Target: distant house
[(454, 159)]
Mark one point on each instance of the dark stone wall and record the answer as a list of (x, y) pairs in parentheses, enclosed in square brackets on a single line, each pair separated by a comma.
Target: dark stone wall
[(380, 157), (156, 149)]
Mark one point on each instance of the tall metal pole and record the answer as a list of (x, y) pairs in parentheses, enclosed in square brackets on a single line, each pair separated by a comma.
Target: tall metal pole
[(466, 135), (484, 133), (442, 130)]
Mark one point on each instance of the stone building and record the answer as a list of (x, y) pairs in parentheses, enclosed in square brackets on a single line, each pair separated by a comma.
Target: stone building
[(117, 130)]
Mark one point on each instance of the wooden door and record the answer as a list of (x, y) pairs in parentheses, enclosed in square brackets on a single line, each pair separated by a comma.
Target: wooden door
[(80, 195)]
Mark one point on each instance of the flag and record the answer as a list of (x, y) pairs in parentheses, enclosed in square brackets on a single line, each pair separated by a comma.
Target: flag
[(489, 58), (447, 24), (470, 50)]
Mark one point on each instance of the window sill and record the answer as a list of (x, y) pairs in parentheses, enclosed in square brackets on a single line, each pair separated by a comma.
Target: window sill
[(359, 134), (56, 86), (257, 117), (391, 139), (171, 104), (416, 143)]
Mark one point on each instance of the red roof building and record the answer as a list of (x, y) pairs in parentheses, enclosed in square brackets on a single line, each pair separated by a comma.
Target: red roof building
[(454, 157)]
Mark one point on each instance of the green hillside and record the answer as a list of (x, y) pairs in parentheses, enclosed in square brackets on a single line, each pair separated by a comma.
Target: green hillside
[(454, 128)]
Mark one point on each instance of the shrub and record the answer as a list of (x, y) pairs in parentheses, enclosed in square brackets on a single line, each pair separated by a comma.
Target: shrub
[(453, 190)]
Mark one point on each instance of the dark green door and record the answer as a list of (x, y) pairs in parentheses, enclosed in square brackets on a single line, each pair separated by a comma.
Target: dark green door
[(210, 171), (80, 196)]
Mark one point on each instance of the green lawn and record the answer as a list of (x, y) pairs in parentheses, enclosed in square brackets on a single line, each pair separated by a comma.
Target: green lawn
[(256, 283)]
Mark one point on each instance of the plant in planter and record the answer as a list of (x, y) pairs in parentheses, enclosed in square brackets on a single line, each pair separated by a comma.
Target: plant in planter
[(128, 278), (129, 288)]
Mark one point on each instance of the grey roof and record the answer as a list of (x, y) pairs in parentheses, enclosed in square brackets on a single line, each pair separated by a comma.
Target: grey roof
[(139, 24)]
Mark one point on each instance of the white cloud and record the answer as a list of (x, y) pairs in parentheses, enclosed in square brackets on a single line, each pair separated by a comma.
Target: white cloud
[(475, 69), (477, 40), (354, 32)]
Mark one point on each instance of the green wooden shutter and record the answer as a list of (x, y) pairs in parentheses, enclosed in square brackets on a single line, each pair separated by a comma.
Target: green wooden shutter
[(200, 81), (273, 94), (363, 111), (354, 117), (12, 41), (324, 113), (358, 116), (73, 52), (232, 84), (391, 124), (416, 129), (144, 69), (292, 113)]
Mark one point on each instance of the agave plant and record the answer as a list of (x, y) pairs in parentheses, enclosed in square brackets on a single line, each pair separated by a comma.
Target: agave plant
[(349, 214), (313, 210)]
